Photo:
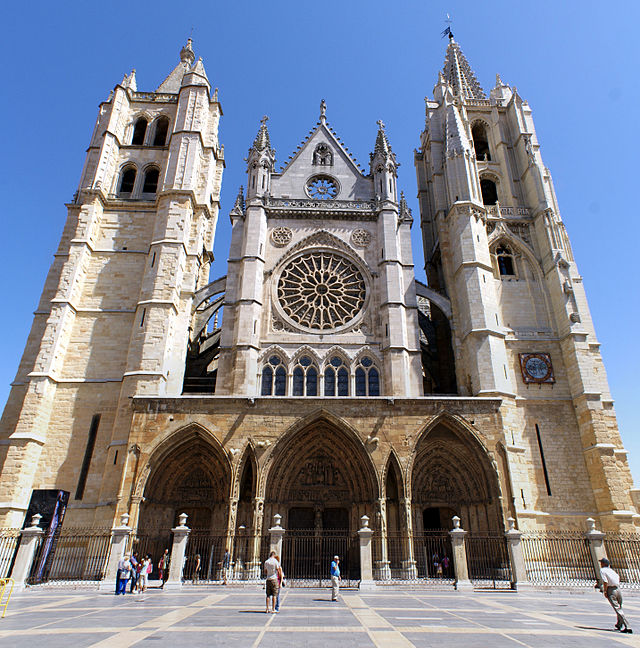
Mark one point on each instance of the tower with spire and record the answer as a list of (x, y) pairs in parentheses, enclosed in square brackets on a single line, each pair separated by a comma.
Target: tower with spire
[(115, 315), (496, 250)]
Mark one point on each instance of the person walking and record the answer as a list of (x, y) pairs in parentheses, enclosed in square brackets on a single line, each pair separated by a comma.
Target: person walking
[(163, 568), (271, 567), (135, 571), (611, 590), (335, 578), (280, 584), (226, 565), (124, 568), (196, 570)]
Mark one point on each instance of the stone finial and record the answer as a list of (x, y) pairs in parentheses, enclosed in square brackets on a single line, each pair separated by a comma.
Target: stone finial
[(186, 53), (364, 520), (512, 524), (591, 525), (277, 518), (182, 519), (124, 519), (456, 522), (35, 520)]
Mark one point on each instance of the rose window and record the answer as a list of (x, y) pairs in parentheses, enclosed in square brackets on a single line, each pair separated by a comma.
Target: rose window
[(321, 291), (322, 188)]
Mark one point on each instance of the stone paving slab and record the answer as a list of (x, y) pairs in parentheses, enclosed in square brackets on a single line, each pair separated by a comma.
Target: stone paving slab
[(213, 617)]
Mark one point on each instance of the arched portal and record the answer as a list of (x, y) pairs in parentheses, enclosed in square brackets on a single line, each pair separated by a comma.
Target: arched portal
[(453, 475), (321, 477), (187, 475), (321, 480)]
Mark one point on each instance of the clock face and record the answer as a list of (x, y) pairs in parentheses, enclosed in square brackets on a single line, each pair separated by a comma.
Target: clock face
[(322, 188), (536, 367)]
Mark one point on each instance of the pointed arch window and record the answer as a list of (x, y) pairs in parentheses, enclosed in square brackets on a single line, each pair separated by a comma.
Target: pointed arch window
[(506, 265), (274, 378), (162, 128), (480, 142), (489, 191), (150, 185), (367, 378), (336, 378), (305, 378), (127, 182), (139, 131)]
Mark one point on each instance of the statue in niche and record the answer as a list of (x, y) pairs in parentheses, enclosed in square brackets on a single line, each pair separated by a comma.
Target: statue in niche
[(322, 156)]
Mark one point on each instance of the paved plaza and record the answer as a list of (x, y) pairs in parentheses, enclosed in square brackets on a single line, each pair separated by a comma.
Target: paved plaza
[(219, 616)]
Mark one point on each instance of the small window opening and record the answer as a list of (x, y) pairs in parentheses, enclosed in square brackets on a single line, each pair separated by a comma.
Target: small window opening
[(480, 142), (505, 261), (489, 191), (88, 453), (150, 185), (139, 131), (126, 182), (162, 128)]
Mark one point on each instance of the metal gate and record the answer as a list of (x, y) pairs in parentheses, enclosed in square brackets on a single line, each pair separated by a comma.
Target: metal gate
[(488, 561), (307, 556)]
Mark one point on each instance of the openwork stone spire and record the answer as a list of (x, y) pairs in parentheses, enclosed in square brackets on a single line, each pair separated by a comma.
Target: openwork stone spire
[(459, 74)]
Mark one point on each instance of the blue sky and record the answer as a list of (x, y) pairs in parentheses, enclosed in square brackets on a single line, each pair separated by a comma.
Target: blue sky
[(575, 62)]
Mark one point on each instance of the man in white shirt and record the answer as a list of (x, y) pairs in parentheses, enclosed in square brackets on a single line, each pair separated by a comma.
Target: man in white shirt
[(271, 567), (612, 593)]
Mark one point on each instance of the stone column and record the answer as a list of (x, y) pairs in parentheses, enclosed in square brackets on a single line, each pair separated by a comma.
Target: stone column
[(409, 569), (253, 567), (26, 551), (366, 562), (276, 532), (119, 543), (383, 570), (178, 550), (519, 579), (596, 547), (459, 550)]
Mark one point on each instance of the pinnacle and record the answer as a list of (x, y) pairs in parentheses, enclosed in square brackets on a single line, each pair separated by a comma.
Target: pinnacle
[(459, 74)]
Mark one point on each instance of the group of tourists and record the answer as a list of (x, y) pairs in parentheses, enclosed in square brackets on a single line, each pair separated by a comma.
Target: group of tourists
[(136, 571), (275, 581)]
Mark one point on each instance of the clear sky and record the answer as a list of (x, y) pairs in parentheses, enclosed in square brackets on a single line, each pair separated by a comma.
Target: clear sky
[(575, 62)]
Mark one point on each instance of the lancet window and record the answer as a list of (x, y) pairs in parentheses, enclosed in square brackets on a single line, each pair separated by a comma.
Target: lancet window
[(336, 378), (367, 378), (305, 378), (274, 377)]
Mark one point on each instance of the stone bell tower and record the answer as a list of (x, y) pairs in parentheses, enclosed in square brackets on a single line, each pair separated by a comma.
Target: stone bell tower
[(496, 247), (114, 315)]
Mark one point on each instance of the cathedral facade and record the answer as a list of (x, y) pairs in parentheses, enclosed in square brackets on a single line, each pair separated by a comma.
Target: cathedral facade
[(318, 379)]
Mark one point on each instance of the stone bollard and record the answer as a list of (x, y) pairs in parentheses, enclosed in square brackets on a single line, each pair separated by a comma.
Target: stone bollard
[(596, 547), (366, 562), (26, 551), (178, 551), (458, 548), (119, 541), (276, 533), (519, 579)]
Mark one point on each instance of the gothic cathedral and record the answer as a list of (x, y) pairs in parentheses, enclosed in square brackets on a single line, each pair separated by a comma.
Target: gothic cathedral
[(318, 379)]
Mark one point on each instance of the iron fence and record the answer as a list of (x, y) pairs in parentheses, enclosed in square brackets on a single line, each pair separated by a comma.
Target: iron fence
[(9, 540), (71, 555), (423, 558), (307, 556), (623, 551), (488, 562), (151, 542), (558, 558)]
